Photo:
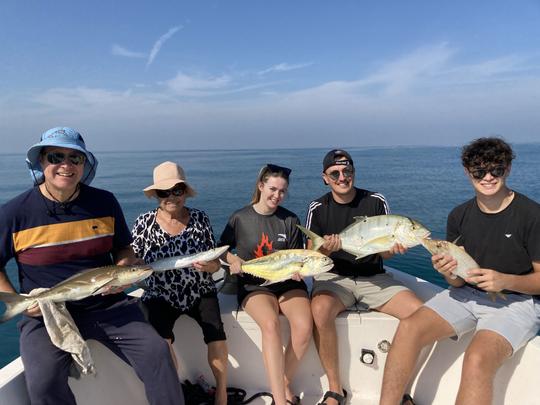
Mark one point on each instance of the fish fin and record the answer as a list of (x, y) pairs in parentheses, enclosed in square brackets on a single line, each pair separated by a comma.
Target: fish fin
[(99, 287), (360, 218), (315, 239), (15, 304), (455, 240)]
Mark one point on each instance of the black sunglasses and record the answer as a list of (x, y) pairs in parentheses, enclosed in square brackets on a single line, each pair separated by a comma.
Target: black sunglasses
[(275, 169), (348, 172), (60, 157), (177, 191), (479, 172)]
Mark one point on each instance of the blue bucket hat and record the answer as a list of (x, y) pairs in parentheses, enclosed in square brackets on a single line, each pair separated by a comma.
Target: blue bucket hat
[(62, 137)]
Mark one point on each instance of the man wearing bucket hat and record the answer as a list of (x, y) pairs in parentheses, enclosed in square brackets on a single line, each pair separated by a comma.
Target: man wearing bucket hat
[(351, 282), (60, 227)]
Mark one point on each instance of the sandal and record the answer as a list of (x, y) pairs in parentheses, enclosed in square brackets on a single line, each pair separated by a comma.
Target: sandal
[(334, 395), (294, 401), (407, 399)]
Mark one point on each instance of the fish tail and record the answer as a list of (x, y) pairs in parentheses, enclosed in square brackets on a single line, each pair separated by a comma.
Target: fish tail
[(15, 304), (315, 239)]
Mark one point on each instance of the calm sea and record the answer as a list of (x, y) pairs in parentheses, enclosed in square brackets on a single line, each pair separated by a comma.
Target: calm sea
[(420, 182)]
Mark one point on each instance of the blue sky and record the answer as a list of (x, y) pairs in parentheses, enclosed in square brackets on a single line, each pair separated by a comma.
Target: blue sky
[(142, 75)]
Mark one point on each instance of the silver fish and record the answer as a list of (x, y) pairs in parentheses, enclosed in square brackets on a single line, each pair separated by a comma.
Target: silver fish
[(81, 285), (178, 262), (464, 261), (281, 265), (370, 235)]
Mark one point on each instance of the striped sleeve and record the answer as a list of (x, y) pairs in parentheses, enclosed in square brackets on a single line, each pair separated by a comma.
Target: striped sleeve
[(385, 209)]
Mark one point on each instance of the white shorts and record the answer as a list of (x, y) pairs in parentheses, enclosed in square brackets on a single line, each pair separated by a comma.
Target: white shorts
[(517, 318)]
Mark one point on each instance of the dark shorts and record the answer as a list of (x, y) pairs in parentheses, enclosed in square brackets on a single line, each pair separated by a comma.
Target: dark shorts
[(205, 312), (277, 289)]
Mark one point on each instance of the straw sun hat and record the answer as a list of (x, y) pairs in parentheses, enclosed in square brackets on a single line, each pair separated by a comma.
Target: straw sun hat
[(166, 176)]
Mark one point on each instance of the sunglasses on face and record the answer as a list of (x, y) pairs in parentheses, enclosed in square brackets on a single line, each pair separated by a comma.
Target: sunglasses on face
[(60, 157), (347, 172), (275, 169), (176, 191), (479, 172)]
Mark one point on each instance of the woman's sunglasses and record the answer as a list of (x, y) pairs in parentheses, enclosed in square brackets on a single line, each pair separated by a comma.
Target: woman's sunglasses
[(176, 191), (348, 172), (60, 157), (270, 168), (479, 173)]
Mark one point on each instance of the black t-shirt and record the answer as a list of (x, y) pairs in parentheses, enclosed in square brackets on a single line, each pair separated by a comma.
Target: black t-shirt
[(326, 216), (255, 235), (508, 241)]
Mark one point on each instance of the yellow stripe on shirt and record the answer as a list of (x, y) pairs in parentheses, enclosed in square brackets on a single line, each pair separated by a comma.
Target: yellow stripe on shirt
[(63, 233)]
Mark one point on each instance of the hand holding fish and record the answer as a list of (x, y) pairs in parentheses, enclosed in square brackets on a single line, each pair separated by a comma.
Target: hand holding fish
[(235, 263), (33, 310), (332, 243), (210, 266), (397, 248), (487, 279), (446, 265)]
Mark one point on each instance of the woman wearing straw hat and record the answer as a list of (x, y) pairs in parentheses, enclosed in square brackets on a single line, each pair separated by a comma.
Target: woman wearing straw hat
[(57, 229), (173, 229), (256, 230)]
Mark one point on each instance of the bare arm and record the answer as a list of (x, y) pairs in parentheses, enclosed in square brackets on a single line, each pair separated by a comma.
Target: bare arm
[(235, 263), (494, 281)]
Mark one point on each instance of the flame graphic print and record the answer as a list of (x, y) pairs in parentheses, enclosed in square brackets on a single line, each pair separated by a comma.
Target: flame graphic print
[(263, 248)]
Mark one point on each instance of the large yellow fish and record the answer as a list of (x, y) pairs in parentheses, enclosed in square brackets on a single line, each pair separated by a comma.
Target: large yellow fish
[(283, 264), (370, 235)]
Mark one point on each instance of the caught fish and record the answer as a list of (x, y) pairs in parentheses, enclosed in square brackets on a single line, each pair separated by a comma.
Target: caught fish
[(81, 285), (178, 262), (370, 235), (283, 264), (464, 261)]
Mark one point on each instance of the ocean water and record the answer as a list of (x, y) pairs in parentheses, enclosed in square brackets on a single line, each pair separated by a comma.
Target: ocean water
[(424, 183)]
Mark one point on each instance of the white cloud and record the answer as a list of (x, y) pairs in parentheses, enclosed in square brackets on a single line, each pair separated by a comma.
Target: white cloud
[(428, 96), (118, 50), (159, 43), (185, 85), (284, 67)]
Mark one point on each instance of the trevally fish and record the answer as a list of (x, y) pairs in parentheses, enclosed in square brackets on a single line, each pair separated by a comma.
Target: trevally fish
[(281, 265), (370, 235), (81, 285), (464, 261), (178, 262)]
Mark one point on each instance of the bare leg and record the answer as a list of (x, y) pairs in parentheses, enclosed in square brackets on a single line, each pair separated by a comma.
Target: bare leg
[(485, 354), (264, 310), (295, 306), (423, 327), (401, 305), (217, 359), (325, 308)]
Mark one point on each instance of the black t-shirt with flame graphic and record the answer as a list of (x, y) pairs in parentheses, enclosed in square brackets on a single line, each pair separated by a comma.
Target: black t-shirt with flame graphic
[(254, 235)]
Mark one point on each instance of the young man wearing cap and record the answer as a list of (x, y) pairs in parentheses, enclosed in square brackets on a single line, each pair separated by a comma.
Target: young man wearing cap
[(500, 229), (351, 281), (58, 228)]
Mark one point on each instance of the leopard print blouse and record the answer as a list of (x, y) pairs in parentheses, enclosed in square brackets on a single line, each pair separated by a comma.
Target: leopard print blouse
[(182, 287)]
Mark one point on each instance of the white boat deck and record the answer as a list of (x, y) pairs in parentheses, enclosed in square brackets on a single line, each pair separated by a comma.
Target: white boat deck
[(436, 381)]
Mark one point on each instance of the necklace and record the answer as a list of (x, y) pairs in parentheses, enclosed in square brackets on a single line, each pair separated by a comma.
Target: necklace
[(64, 203)]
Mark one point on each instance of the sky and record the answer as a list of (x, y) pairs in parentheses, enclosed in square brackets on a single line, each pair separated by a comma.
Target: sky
[(236, 74)]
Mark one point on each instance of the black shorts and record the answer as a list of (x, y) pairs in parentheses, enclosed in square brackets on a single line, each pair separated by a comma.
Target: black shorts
[(277, 289), (205, 312)]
